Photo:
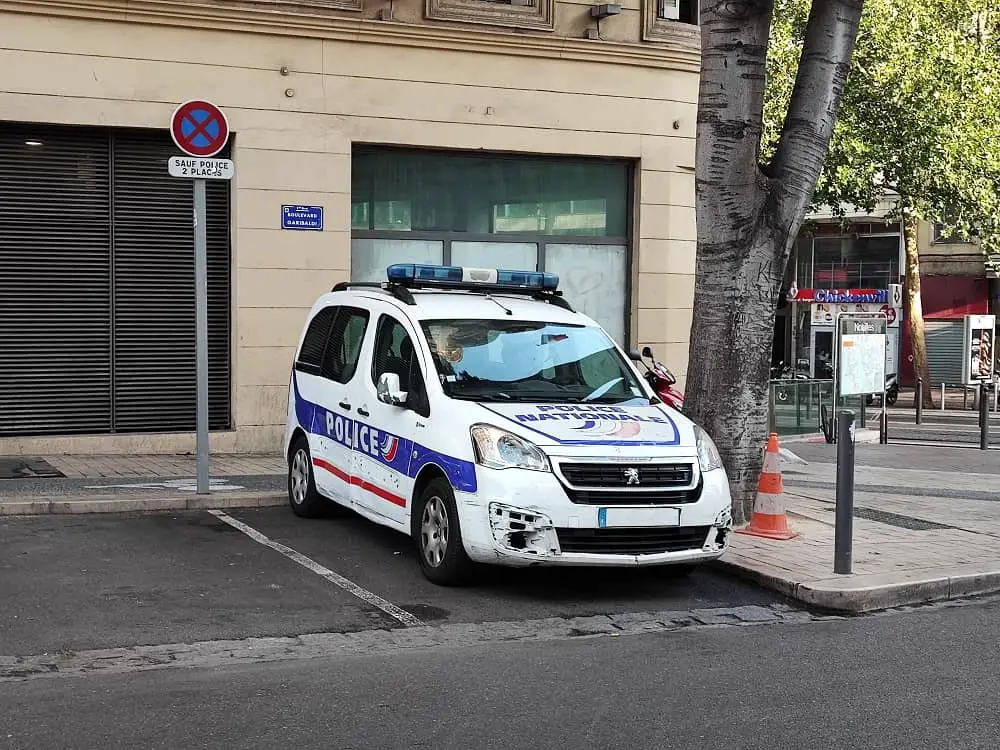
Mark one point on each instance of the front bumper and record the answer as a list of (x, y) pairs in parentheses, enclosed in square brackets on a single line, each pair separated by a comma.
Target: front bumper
[(523, 518)]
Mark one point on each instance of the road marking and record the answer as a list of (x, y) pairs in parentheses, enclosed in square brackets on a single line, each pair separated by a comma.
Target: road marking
[(347, 585)]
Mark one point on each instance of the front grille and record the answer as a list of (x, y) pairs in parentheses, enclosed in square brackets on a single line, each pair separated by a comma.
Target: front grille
[(634, 497), (616, 475), (632, 541)]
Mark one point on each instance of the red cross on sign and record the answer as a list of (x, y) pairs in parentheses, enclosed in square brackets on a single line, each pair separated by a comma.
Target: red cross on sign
[(199, 128)]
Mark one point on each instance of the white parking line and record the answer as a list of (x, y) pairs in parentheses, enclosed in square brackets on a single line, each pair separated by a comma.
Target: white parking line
[(349, 586)]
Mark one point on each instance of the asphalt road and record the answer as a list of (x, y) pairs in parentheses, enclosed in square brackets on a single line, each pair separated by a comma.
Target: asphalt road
[(922, 679), (103, 581)]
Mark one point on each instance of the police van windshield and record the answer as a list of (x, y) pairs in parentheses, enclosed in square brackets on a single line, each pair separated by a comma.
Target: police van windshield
[(514, 360)]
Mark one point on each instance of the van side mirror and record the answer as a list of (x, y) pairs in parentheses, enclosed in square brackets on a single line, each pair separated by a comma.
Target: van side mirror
[(388, 390), (634, 355)]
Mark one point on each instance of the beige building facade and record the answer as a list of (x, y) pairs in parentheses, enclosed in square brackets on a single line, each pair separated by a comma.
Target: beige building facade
[(515, 135)]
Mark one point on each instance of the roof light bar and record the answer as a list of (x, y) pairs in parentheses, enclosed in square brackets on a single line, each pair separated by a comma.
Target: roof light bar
[(421, 274)]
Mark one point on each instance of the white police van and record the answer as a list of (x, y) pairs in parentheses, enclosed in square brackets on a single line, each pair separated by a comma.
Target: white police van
[(477, 412)]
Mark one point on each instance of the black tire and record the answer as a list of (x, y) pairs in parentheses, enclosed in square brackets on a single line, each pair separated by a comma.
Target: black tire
[(442, 560), (303, 497), (891, 396)]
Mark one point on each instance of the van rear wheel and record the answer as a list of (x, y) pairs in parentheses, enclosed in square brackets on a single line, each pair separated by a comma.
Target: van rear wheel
[(303, 496), (438, 536)]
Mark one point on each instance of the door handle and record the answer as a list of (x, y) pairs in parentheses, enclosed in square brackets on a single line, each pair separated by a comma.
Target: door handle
[(363, 411), (345, 405)]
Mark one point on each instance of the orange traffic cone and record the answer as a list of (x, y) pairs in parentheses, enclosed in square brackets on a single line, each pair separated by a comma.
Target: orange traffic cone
[(769, 518)]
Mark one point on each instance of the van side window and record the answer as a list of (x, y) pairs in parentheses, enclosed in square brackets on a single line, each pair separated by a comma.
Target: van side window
[(344, 347), (394, 353), (314, 342)]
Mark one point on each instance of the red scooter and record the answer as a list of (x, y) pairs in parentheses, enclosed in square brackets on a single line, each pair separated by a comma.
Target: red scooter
[(660, 379)]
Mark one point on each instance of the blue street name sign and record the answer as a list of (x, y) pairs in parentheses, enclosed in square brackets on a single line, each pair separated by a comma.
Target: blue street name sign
[(302, 217)]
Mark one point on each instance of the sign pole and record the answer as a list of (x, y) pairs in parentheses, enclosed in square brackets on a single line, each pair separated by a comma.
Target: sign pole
[(201, 325), (200, 130)]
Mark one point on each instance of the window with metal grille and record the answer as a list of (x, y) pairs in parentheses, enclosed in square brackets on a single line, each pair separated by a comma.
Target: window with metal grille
[(344, 347), (314, 342), (97, 328)]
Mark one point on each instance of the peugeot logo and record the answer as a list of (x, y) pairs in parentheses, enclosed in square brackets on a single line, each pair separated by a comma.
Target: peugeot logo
[(631, 476)]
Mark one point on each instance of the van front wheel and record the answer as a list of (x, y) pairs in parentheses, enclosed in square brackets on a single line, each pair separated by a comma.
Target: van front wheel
[(439, 537)]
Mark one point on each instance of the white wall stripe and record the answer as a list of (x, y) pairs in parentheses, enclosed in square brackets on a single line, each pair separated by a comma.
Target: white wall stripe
[(335, 578)]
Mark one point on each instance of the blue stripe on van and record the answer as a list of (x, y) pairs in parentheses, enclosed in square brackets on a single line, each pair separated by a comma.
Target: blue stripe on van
[(398, 453)]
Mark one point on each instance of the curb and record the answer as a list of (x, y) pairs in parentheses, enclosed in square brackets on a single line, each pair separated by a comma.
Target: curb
[(66, 505), (872, 597)]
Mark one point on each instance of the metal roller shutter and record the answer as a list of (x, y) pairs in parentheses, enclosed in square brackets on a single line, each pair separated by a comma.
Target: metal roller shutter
[(97, 285), (154, 325), (55, 281), (944, 350)]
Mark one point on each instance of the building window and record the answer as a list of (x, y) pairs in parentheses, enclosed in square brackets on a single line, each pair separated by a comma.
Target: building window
[(521, 14), (942, 236), (855, 262), (564, 215), (670, 20)]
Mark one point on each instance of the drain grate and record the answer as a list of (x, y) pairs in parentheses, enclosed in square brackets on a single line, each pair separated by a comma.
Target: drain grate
[(897, 520), (27, 467)]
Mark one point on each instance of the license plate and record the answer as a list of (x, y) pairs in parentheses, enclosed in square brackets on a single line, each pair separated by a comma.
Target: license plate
[(637, 518)]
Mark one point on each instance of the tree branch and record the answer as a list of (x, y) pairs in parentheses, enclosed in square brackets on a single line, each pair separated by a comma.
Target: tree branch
[(812, 110), (734, 45)]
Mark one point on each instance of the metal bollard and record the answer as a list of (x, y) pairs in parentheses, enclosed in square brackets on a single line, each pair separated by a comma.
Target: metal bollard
[(883, 427), (843, 535), (942, 396), (772, 418), (920, 399), (984, 417)]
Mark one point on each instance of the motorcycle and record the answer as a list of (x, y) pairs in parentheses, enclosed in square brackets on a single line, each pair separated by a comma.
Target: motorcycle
[(660, 379)]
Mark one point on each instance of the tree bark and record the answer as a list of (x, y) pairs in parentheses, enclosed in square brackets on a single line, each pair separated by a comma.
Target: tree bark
[(748, 215), (914, 308)]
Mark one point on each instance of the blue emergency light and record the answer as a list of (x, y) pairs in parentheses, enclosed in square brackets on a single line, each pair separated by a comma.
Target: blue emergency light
[(422, 274)]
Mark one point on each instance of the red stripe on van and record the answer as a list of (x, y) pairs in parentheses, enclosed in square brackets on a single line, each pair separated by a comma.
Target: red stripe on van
[(359, 482)]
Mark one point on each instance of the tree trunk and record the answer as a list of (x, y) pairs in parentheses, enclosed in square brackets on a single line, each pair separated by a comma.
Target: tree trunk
[(748, 216), (914, 308)]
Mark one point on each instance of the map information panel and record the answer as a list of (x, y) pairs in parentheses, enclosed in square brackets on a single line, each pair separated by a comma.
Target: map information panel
[(861, 360)]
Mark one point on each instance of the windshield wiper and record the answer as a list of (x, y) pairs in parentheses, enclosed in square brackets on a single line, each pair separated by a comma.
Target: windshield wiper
[(598, 392)]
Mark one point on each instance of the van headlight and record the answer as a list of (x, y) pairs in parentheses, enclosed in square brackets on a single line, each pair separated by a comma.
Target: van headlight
[(708, 455), (499, 449)]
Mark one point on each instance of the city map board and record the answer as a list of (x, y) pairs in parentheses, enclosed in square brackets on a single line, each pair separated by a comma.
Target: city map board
[(861, 360)]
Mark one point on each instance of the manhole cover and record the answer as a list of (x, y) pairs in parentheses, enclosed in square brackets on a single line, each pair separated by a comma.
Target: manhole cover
[(27, 467)]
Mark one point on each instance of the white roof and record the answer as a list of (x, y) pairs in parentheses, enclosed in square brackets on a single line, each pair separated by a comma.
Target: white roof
[(443, 304)]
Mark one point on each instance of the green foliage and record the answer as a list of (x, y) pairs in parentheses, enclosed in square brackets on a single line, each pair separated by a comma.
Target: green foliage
[(920, 115)]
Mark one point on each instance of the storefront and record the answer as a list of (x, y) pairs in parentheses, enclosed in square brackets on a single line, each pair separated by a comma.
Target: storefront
[(836, 270), (568, 216), (425, 138), (826, 305), (96, 269)]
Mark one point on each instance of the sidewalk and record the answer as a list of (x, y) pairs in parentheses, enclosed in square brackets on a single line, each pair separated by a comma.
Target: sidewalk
[(920, 534), (33, 485)]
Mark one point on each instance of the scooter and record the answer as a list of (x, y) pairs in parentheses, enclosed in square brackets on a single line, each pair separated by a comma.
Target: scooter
[(785, 372), (891, 391), (660, 379)]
